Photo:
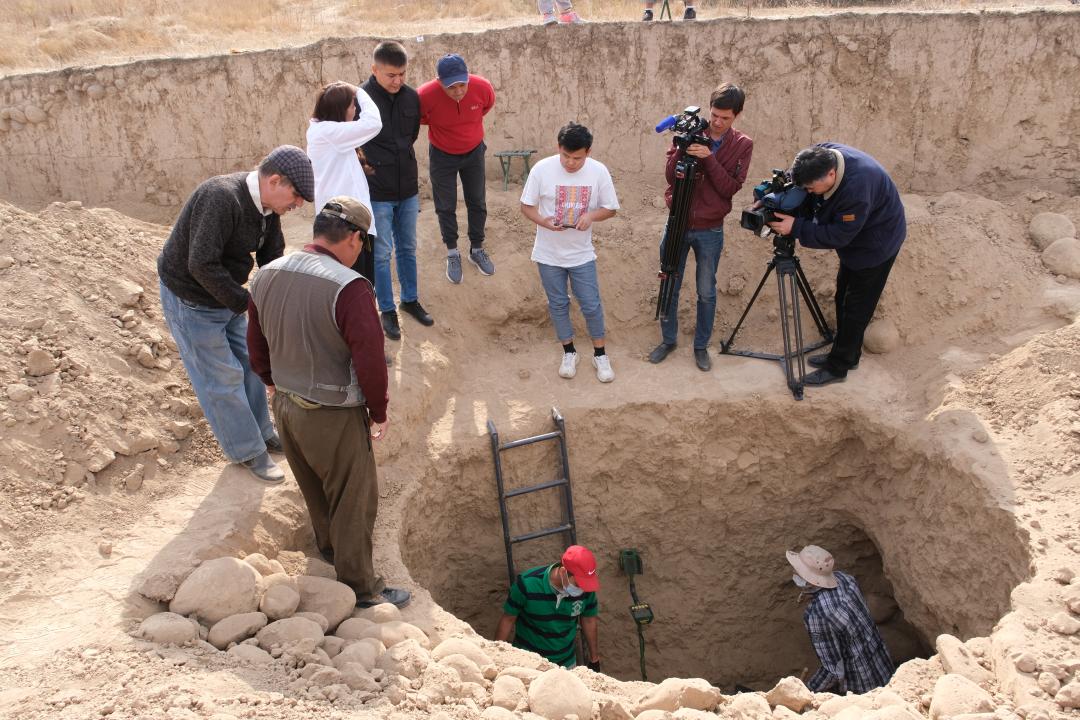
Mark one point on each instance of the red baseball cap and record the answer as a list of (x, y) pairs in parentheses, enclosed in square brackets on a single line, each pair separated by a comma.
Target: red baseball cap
[(582, 565)]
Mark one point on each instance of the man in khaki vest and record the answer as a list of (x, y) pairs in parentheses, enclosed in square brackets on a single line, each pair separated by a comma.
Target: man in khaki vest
[(315, 339)]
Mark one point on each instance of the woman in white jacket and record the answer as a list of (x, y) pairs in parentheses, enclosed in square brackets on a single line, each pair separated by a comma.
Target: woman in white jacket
[(345, 118)]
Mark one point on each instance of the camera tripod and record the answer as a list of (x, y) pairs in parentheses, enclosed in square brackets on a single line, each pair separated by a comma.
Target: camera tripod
[(675, 235), (791, 282)]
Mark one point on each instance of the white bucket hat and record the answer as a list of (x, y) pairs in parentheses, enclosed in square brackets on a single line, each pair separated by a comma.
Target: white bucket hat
[(814, 565)]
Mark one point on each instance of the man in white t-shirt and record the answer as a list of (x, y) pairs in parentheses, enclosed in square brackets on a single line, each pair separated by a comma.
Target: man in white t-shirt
[(564, 195)]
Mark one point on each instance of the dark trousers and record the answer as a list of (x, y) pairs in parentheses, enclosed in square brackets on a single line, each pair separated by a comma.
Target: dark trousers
[(329, 452), (444, 169), (857, 295), (365, 261)]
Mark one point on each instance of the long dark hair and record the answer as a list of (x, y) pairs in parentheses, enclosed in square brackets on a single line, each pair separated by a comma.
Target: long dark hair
[(333, 100)]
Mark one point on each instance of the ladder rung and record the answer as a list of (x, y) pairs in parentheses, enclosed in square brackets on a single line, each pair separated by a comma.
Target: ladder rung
[(534, 488), (530, 440), (540, 533)]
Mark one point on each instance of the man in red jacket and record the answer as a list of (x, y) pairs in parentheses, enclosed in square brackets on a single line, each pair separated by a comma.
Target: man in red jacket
[(721, 173), (453, 107)]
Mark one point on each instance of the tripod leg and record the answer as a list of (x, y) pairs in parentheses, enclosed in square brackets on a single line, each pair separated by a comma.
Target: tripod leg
[(800, 357), (787, 298), (812, 303), (725, 346)]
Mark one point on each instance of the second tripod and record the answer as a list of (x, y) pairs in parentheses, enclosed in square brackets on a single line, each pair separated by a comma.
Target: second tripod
[(791, 283)]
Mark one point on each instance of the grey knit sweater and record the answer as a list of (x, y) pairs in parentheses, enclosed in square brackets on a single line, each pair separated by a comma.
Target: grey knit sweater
[(208, 256)]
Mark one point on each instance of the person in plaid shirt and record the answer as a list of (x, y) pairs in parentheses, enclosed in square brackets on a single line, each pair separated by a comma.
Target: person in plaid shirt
[(852, 654)]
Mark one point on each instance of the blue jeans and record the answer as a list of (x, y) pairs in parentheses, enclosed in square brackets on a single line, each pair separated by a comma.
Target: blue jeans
[(213, 348), (707, 245), (586, 288), (395, 223)]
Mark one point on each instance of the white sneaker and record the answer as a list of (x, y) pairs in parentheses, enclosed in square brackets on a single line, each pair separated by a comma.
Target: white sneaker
[(568, 369), (602, 363)]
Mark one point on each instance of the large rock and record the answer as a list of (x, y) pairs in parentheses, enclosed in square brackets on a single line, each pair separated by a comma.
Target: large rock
[(881, 336), (1047, 227), (440, 683), (235, 628), (957, 658), (395, 631), (749, 706), (383, 612), (279, 601), (363, 652), (358, 678), (354, 628), (558, 693), (1063, 258), (260, 562), (407, 658), (217, 589), (288, 631), (1064, 623), (675, 693), (1069, 695), (956, 695), (168, 627), (250, 653), (497, 713), (39, 362), (316, 618), (333, 600), (466, 669), (509, 692), (1071, 596), (791, 693), (524, 674), (461, 646)]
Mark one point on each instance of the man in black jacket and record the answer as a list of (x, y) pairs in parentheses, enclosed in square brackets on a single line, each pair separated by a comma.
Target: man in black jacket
[(395, 200), (856, 212), (202, 270)]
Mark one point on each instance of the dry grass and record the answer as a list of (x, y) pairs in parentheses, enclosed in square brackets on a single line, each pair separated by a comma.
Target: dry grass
[(41, 34)]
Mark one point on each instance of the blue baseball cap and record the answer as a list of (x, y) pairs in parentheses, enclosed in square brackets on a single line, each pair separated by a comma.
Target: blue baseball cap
[(451, 70)]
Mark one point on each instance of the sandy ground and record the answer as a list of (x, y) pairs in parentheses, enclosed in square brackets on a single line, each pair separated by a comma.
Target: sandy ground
[(113, 484), (944, 470)]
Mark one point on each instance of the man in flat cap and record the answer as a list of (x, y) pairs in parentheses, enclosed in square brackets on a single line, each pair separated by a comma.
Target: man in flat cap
[(316, 340), (203, 268), (852, 654)]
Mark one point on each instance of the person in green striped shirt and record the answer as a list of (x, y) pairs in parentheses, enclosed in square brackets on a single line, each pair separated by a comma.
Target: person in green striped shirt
[(545, 604)]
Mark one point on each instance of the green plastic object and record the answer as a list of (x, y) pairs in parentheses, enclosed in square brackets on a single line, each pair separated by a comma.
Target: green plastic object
[(630, 562)]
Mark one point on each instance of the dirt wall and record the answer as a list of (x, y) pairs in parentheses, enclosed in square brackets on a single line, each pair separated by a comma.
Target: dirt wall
[(946, 101)]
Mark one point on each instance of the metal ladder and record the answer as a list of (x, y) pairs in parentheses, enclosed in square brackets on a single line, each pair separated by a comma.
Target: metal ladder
[(568, 526)]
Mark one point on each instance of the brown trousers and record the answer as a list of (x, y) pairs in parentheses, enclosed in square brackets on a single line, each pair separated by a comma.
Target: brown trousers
[(329, 452)]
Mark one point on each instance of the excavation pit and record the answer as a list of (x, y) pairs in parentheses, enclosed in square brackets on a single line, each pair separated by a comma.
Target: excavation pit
[(712, 494)]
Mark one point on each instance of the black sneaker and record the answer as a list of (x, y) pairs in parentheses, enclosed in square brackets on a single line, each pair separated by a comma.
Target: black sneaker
[(660, 352), (689, 14), (417, 310), (394, 596), (273, 444), (701, 357), (390, 325), (647, 17)]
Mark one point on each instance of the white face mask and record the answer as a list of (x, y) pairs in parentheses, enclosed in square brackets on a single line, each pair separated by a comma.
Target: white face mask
[(798, 580), (573, 590)]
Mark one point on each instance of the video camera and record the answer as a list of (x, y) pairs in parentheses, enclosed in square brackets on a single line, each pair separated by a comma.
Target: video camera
[(689, 129), (775, 194)]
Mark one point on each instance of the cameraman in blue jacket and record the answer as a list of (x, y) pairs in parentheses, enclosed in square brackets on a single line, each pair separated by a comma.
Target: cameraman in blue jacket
[(856, 211)]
